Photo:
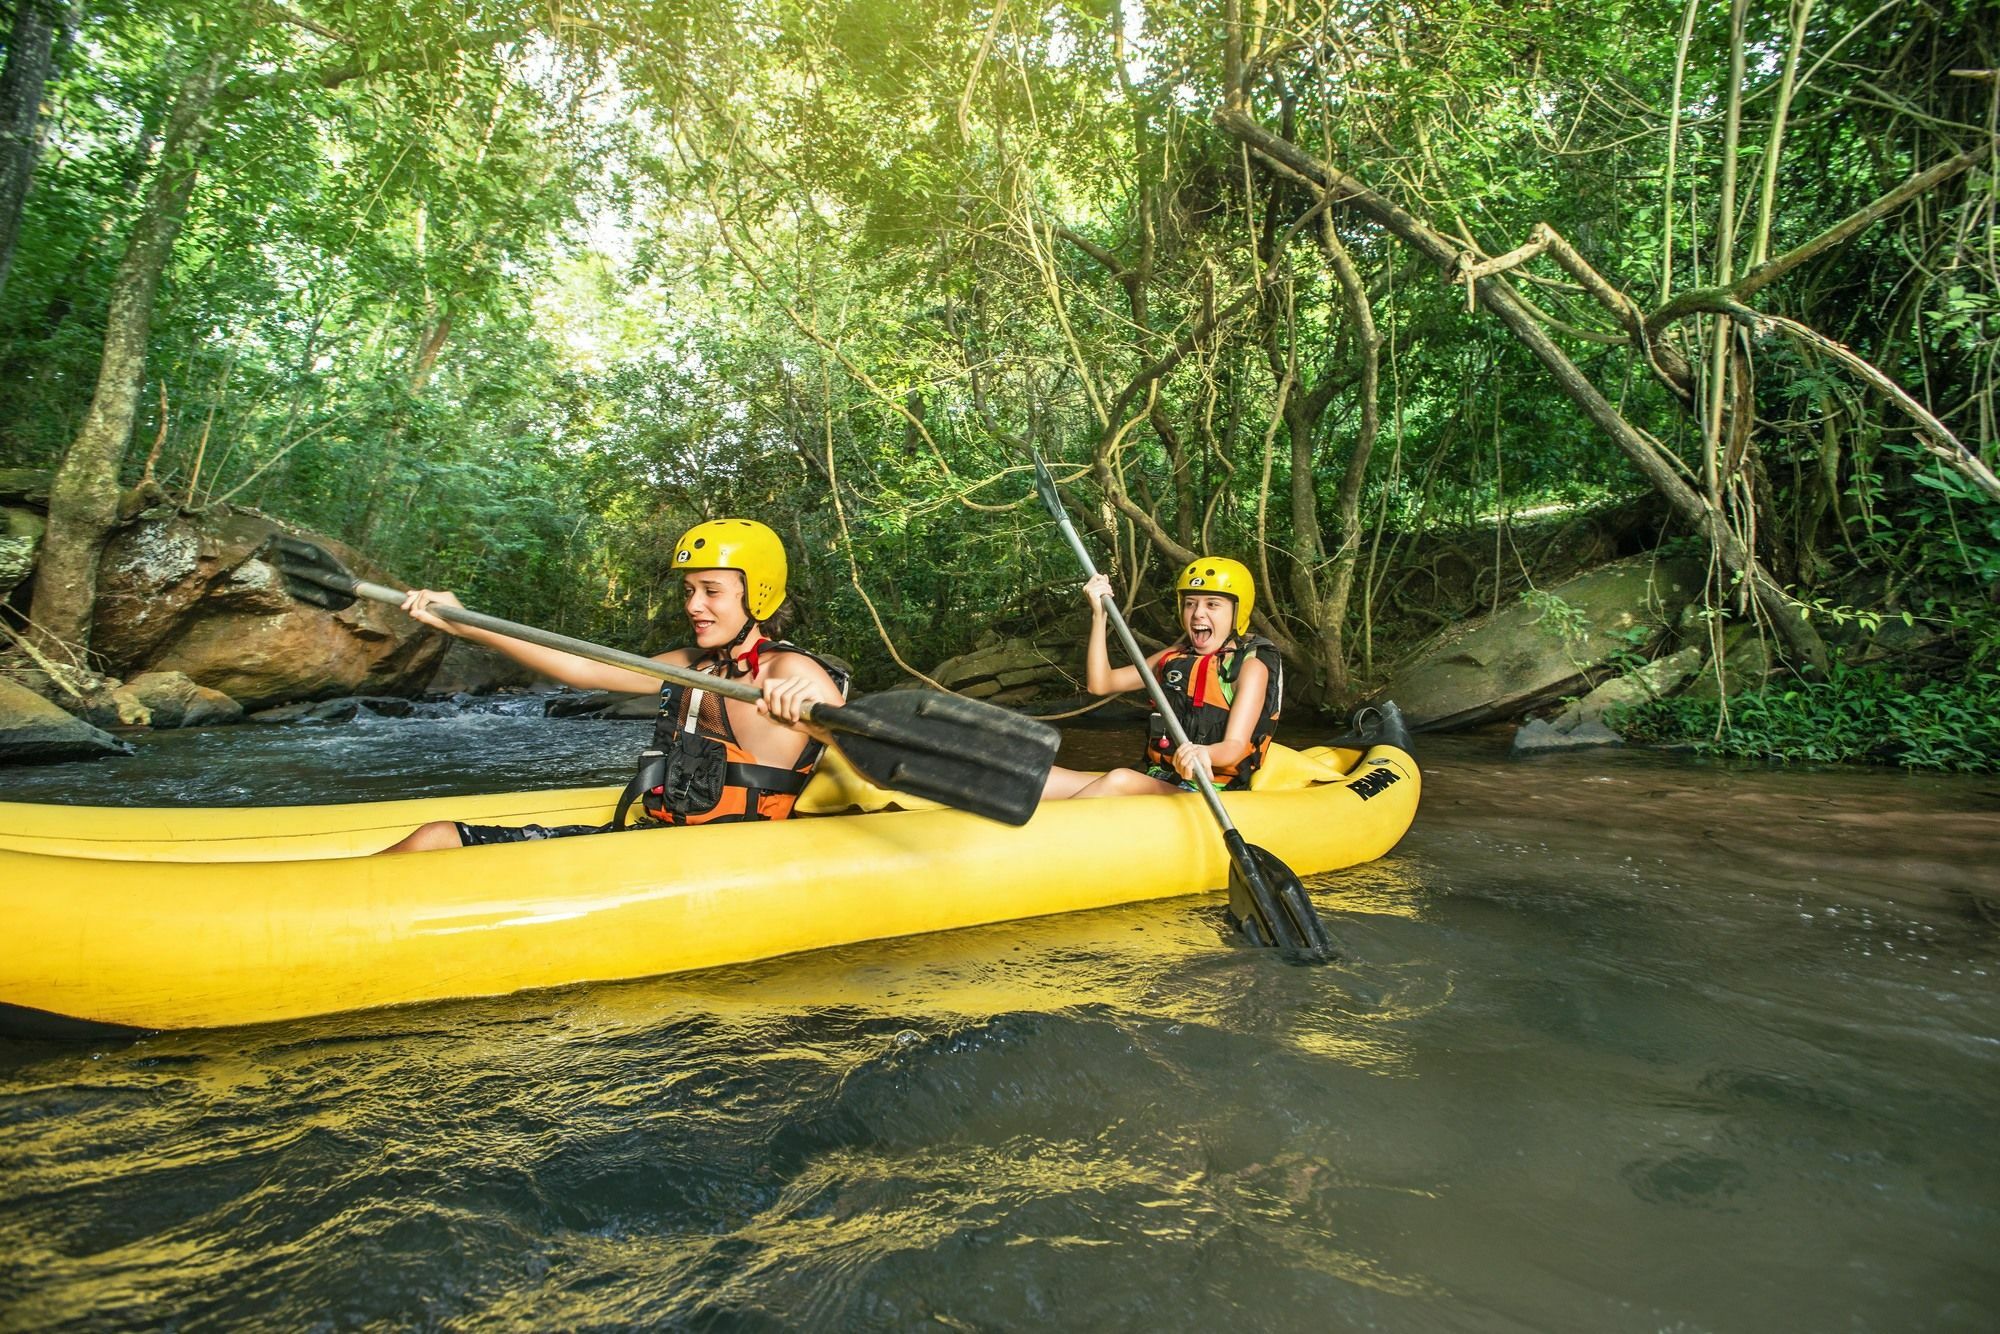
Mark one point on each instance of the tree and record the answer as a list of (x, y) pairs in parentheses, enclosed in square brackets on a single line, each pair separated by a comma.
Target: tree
[(31, 46), (218, 89)]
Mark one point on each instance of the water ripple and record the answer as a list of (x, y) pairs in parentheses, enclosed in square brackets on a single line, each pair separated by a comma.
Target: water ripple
[(1692, 1047)]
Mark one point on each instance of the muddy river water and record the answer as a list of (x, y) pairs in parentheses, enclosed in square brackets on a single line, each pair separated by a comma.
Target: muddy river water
[(1620, 1041)]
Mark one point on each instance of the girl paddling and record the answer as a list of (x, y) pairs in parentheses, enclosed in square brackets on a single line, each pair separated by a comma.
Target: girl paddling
[(1225, 685)]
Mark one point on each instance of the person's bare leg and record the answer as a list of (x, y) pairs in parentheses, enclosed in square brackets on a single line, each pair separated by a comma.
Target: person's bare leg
[(433, 837), (1064, 783), (1125, 783)]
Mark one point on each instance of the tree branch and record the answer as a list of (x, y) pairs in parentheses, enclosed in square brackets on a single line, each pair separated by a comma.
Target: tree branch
[(1756, 280)]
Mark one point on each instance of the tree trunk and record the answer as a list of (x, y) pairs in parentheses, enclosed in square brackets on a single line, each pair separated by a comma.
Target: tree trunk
[(1322, 580), (30, 52), (1347, 507), (83, 500), (391, 457)]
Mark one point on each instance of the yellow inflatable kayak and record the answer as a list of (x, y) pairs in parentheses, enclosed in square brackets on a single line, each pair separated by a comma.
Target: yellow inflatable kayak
[(195, 918)]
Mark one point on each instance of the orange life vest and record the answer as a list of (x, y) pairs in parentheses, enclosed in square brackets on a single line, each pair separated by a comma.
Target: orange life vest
[(695, 772), (1202, 690)]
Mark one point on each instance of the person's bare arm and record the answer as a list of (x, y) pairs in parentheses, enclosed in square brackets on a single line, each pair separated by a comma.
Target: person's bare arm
[(568, 668), (793, 683), (1099, 676)]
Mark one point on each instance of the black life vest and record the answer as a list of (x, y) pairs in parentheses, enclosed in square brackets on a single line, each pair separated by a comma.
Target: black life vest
[(694, 772), (1201, 688)]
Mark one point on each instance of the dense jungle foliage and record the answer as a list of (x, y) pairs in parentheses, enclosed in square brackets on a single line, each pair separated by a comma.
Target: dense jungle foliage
[(505, 294)]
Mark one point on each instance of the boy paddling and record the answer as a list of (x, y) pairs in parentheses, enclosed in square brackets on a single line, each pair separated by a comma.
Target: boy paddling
[(712, 759)]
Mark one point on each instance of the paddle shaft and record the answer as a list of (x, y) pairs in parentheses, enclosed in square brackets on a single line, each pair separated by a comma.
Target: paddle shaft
[(582, 648), (969, 755), (1138, 656)]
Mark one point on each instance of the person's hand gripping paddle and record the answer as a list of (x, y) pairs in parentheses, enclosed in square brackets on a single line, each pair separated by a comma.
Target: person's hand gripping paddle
[(964, 753), (1266, 899)]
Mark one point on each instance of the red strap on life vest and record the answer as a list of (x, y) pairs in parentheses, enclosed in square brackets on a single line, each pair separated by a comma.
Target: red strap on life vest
[(1204, 666), (728, 666)]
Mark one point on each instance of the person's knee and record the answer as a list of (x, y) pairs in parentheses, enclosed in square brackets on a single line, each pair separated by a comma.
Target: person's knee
[(432, 837), (1129, 783), (437, 835), (1124, 783)]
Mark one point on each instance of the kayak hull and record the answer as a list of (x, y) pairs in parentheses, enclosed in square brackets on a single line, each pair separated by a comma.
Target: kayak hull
[(116, 940)]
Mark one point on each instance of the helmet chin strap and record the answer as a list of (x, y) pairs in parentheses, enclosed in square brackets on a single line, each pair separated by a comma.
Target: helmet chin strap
[(725, 656)]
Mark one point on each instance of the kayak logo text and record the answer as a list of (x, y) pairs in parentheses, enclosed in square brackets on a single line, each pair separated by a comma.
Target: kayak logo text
[(1370, 784)]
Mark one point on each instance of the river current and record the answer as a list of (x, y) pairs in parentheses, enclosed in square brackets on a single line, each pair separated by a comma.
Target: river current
[(1619, 1041)]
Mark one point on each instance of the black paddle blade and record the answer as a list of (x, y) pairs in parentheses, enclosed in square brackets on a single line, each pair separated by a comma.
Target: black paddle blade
[(311, 574), (1270, 907), (1045, 487), (969, 755)]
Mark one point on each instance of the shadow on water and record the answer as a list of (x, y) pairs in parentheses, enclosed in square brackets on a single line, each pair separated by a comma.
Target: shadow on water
[(1619, 1042)]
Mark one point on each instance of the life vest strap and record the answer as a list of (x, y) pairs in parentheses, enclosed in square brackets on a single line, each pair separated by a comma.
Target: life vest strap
[(651, 773), (766, 778)]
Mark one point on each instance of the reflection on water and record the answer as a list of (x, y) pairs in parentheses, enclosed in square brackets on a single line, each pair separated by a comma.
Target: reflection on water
[(1619, 1042)]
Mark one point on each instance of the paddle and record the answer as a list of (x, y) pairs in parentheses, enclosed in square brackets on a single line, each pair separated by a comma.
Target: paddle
[(962, 752), (1266, 899)]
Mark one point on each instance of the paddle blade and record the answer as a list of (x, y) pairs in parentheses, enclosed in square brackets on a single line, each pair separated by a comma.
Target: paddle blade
[(969, 755), (1045, 487), (1270, 906), (311, 574)]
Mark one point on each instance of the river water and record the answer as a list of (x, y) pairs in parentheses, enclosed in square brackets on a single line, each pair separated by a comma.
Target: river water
[(1621, 1041)]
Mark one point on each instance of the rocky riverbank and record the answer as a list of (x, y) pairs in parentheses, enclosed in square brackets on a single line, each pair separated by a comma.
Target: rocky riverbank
[(193, 628)]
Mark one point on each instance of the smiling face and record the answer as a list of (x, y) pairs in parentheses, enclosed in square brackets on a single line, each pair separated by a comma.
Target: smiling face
[(714, 606), (1207, 619)]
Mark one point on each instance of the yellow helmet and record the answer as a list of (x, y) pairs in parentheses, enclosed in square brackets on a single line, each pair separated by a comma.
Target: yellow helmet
[(1223, 576), (743, 545)]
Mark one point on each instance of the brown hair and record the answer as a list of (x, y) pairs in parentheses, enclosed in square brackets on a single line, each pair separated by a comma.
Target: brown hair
[(779, 621)]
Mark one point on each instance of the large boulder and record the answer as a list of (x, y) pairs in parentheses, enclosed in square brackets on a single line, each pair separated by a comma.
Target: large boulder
[(190, 595), (1746, 663), (111, 705), (174, 700), (26, 484), (153, 699), (1541, 649), (34, 731), (1582, 721), (1655, 680), (474, 669), (1008, 671)]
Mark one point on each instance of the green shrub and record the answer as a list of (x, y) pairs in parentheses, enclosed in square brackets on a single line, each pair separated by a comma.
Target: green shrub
[(1857, 714)]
